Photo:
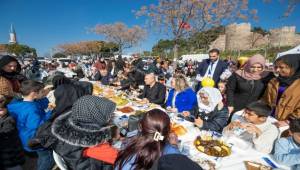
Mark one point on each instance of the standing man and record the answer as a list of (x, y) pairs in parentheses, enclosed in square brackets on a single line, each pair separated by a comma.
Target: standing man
[(154, 92), (212, 67)]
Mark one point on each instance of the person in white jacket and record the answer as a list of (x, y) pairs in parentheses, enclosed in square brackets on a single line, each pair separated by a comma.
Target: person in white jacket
[(253, 126)]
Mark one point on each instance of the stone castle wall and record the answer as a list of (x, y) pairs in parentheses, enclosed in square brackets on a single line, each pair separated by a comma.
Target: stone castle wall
[(237, 36), (219, 43), (240, 37)]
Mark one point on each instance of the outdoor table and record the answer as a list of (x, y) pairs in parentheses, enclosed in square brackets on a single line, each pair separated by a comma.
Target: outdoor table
[(240, 150)]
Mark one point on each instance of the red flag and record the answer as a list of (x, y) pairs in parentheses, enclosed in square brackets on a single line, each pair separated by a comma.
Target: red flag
[(185, 25)]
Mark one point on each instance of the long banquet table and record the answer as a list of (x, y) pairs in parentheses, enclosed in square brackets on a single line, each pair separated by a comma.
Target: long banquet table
[(240, 151)]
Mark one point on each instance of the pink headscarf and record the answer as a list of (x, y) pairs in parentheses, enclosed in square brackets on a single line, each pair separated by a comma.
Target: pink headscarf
[(246, 73)]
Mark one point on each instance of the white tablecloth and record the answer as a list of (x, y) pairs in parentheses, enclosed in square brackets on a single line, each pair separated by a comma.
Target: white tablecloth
[(241, 151)]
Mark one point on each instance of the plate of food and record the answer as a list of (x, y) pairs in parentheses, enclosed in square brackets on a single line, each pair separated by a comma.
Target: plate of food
[(119, 101), (126, 110), (250, 165), (212, 145), (97, 90)]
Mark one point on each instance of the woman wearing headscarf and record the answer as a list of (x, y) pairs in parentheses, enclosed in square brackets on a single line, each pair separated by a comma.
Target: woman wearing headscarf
[(10, 77), (283, 92), (210, 113), (87, 125), (248, 84)]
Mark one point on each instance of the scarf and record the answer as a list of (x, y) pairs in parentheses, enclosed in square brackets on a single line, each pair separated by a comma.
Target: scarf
[(214, 98), (246, 72), (13, 75), (65, 96), (293, 61)]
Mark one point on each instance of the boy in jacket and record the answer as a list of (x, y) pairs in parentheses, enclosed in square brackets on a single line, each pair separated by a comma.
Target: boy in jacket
[(29, 113)]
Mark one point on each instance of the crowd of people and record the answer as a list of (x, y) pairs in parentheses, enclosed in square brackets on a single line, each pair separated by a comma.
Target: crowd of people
[(242, 99)]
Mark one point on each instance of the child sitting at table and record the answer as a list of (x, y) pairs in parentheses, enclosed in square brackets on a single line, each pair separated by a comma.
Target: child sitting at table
[(253, 127), (287, 150), (222, 88)]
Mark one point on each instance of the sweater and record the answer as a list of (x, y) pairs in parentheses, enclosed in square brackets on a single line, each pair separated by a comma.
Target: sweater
[(29, 116), (263, 143), (184, 101)]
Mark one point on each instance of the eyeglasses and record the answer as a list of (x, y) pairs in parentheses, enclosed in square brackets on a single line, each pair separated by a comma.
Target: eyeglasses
[(258, 67)]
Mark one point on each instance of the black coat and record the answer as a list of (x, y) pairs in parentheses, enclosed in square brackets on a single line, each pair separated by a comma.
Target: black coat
[(105, 80), (240, 92), (214, 121), (156, 94), (73, 158), (11, 151)]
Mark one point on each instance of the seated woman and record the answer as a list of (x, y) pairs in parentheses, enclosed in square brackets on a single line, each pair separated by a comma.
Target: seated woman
[(282, 93), (87, 125), (151, 143), (210, 113), (181, 97)]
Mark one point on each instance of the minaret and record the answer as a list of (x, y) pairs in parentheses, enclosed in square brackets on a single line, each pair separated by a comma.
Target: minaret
[(12, 35)]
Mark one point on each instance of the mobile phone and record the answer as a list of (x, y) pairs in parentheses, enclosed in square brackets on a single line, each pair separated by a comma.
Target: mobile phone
[(269, 162), (123, 132)]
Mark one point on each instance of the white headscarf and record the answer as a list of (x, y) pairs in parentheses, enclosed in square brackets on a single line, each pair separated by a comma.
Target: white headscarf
[(214, 98)]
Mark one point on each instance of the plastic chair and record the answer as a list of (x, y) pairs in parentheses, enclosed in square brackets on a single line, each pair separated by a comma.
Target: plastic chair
[(59, 161)]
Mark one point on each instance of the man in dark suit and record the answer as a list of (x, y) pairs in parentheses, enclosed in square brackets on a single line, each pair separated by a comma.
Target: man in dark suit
[(212, 67), (154, 92)]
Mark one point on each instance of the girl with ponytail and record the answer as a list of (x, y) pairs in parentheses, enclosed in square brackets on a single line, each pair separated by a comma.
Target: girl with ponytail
[(152, 142)]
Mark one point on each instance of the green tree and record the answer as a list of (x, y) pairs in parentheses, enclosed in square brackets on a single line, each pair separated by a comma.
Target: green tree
[(21, 50), (202, 40), (59, 55), (178, 18)]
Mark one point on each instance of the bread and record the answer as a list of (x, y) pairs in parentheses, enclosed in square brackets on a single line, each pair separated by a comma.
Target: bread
[(179, 130)]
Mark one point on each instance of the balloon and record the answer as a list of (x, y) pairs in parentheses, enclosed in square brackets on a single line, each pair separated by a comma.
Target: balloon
[(207, 82), (242, 60)]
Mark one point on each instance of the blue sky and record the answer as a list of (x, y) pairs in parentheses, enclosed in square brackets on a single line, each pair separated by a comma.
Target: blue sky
[(43, 24)]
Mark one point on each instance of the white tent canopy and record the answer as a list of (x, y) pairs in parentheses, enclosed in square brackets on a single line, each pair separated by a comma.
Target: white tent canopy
[(295, 50), (194, 57)]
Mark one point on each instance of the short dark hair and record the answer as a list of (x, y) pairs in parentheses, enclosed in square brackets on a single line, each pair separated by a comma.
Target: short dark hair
[(161, 77), (214, 50), (295, 125), (29, 86), (261, 109)]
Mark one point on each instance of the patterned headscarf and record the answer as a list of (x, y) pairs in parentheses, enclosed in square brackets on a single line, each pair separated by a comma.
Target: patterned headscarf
[(214, 98)]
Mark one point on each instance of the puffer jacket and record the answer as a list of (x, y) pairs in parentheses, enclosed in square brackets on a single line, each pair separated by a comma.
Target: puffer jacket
[(11, 152), (214, 121)]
